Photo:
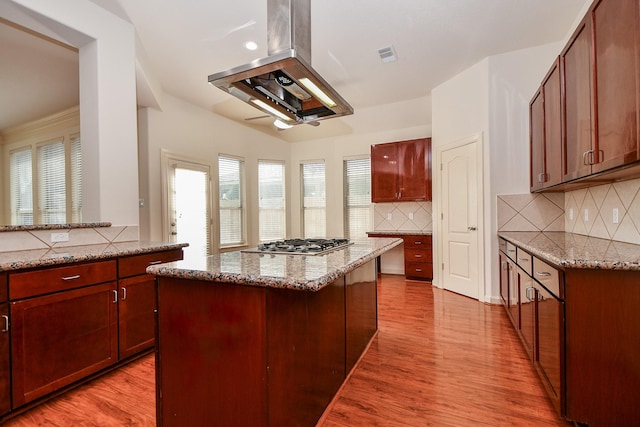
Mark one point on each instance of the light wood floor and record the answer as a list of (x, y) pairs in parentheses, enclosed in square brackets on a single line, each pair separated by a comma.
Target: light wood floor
[(439, 359)]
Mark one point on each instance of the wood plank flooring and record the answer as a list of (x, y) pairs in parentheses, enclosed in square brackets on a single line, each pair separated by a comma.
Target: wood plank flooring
[(439, 359)]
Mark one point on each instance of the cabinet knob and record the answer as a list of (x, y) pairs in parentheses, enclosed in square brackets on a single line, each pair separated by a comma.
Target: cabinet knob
[(471, 228)]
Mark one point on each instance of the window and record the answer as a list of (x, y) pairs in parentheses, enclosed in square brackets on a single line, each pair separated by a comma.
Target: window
[(57, 172), (357, 198), (271, 206), (231, 201), (314, 218)]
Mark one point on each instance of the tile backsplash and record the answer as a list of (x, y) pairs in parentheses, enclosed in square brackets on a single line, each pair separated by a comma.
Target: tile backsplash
[(403, 216), (41, 239), (609, 211)]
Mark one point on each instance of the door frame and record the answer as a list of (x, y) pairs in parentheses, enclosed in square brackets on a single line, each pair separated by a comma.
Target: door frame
[(166, 158), (438, 278)]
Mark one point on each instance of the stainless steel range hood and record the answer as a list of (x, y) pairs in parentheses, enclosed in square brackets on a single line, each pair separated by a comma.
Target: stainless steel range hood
[(283, 84)]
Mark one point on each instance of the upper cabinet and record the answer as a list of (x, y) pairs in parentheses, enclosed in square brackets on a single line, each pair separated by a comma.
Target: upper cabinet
[(546, 132), (599, 94), (401, 171)]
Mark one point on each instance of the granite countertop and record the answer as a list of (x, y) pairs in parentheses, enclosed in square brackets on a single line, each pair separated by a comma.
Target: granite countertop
[(400, 233), (568, 250), (18, 260), (299, 272)]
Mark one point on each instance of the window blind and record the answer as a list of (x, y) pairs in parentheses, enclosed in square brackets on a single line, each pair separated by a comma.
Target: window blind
[(20, 182), (52, 192), (357, 198), (76, 179), (271, 201), (231, 198), (314, 216)]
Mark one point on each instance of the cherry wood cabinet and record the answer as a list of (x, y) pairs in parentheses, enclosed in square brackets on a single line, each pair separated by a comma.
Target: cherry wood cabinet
[(5, 373), (509, 288), (546, 132), (137, 300), (577, 106), (401, 171), (61, 337), (418, 258), (229, 354)]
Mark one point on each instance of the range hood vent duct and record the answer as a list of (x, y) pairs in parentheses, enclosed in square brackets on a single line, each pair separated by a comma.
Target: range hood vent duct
[(283, 84)]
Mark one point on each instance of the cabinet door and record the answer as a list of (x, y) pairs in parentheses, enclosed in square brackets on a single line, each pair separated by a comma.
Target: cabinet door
[(616, 86), (504, 278), (536, 140), (527, 311), (5, 383), (550, 317), (552, 127), (384, 172), (412, 170), (136, 316), (513, 302), (576, 67), (60, 338)]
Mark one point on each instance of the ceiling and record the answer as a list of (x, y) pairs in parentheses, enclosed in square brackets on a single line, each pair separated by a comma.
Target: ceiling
[(434, 40)]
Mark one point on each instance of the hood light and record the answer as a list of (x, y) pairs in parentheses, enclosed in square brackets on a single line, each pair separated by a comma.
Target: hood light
[(251, 45), (281, 125), (268, 108), (311, 87)]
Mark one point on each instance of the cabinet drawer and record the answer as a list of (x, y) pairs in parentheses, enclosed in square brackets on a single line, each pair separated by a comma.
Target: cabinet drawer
[(417, 255), (511, 251), (524, 261), (418, 269), (4, 290), (417, 242), (502, 245), (547, 276), (39, 282), (137, 264)]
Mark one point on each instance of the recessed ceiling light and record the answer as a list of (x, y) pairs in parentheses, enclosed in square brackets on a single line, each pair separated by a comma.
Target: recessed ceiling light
[(250, 45)]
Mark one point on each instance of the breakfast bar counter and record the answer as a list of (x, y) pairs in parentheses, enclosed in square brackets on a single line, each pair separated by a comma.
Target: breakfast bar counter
[(253, 339)]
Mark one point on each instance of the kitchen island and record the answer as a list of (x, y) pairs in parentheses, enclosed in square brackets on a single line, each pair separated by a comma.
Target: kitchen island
[(250, 339)]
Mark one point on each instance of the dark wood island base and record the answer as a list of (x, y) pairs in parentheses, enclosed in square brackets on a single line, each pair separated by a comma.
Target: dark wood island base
[(237, 355)]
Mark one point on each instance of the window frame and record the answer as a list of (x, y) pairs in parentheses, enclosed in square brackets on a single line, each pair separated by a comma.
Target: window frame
[(283, 233), (243, 205), (303, 208), (346, 207)]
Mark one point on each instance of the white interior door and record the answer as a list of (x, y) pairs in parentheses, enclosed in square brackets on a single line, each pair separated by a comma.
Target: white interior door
[(189, 206), (460, 220)]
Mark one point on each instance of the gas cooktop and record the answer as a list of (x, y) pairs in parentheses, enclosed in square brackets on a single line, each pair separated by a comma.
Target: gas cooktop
[(300, 246)]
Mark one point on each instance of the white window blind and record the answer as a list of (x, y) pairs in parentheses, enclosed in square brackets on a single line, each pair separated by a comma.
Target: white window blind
[(271, 201), (230, 193), (21, 192), (314, 218), (357, 198), (76, 179), (52, 196)]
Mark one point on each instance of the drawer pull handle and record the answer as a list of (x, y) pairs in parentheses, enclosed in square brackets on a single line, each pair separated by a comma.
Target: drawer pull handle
[(155, 262), (511, 250), (6, 323), (543, 273), (524, 259), (124, 294), (418, 256), (417, 243), (77, 276), (418, 269), (115, 296)]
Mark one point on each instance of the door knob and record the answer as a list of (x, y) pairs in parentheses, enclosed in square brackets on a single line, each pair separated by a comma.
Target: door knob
[(471, 228)]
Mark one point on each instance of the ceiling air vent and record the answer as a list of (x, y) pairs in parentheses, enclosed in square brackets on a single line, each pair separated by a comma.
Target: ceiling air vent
[(387, 54)]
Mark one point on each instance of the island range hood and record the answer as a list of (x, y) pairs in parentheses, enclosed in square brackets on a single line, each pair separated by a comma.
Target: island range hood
[(283, 84)]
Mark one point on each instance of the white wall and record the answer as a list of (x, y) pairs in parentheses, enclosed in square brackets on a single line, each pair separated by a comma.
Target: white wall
[(107, 99), (189, 131)]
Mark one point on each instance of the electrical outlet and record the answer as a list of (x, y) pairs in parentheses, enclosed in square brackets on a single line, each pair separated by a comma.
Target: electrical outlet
[(389, 216), (410, 215), (586, 214), (570, 214), (615, 215), (59, 237)]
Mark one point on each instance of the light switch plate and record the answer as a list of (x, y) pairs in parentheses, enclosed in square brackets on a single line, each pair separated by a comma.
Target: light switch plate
[(389, 216), (586, 214), (570, 214), (615, 215)]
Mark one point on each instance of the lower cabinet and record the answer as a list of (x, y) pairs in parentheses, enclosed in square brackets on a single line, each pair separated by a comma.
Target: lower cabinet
[(418, 259), (61, 338), (5, 373)]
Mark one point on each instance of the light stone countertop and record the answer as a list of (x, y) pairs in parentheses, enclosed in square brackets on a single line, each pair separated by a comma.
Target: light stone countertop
[(19, 260), (568, 250), (400, 233), (297, 271)]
